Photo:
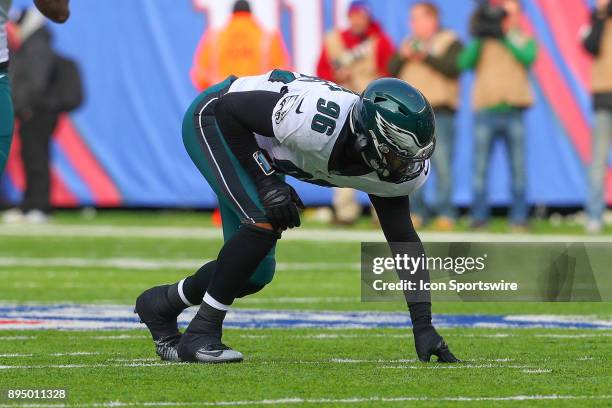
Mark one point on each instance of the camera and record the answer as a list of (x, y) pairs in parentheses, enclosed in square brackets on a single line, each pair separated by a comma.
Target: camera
[(487, 20)]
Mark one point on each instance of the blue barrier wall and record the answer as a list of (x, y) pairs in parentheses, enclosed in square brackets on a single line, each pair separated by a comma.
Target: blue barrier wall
[(135, 56)]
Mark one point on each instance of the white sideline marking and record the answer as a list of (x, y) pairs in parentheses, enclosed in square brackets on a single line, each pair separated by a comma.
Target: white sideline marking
[(338, 235), (119, 337), (16, 338), (356, 361), (153, 264), (334, 336), (548, 318), (100, 365), (154, 362), (303, 300), (123, 360), (76, 353), (573, 336), (16, 355), (70, 354), (456, 366), (537, 371), (320, 401)]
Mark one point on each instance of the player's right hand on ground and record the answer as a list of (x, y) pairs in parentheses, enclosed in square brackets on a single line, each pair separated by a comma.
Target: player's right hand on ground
[(429, 343), (280, 202)]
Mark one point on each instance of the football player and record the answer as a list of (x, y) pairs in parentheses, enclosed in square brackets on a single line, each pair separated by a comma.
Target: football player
[(244, 134)]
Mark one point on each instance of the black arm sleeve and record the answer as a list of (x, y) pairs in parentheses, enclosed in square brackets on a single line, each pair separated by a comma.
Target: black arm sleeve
[(240, 115), (395, 221), (394, 216), (592, 42)]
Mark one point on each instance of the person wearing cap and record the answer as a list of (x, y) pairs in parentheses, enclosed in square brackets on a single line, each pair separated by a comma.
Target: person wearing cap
[(242, 47), (353, 58)]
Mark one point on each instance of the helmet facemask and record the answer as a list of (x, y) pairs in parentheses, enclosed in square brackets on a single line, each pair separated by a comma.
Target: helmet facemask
[(393, 161)]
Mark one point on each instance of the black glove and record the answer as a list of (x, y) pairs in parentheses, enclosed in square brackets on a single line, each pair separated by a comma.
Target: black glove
[(429, 343), (280, 202)]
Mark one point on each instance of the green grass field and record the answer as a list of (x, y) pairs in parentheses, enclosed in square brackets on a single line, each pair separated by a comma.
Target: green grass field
[(109, 261)]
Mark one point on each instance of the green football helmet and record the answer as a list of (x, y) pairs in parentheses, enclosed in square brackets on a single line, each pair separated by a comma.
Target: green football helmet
[(395, 129)]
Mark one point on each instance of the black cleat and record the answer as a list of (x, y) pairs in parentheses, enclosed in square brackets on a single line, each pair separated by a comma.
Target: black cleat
[(190, 349), (167, 347), (431, 343), (201, 342), (210, 354), (154, 310)]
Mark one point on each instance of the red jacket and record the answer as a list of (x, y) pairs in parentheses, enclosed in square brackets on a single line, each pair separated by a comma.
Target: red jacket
[(384, 51)]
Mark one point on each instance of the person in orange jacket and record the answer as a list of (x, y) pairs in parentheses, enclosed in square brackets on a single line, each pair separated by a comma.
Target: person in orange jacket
[(242, 48)]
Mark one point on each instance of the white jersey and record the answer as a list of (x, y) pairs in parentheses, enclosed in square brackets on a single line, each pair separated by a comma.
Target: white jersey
[(5, 6), (307, 121)]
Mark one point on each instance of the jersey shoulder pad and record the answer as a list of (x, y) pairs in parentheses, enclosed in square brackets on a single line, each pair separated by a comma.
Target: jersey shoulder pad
[(285, 121)]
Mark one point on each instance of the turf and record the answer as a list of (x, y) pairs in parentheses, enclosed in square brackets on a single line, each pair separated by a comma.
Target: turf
[(300, 364), (312, 367)]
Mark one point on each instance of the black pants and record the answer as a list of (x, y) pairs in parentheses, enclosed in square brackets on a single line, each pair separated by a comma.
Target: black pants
[(36, 135)]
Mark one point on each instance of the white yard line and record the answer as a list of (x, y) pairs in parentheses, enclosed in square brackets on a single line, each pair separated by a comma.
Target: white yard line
[(537, 371), (394, 363), (301, 300), (70, 366), (152, 264), (69, 354), (322, 401), (16, 338), (573, 336), (76, 353), (13, 355), (119, 337), (346, 235), (459, 367)]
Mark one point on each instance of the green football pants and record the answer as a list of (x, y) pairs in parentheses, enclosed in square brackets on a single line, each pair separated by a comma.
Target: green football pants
[(237, 195), (6, 119)]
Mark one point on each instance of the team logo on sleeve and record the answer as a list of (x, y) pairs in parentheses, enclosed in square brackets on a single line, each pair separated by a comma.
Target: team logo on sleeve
[(284, 107)]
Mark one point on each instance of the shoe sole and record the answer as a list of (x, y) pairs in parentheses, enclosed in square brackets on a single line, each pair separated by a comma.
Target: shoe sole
[(207, 359)]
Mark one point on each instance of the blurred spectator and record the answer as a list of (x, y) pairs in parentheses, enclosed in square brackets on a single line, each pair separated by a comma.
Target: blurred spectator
[(242, 47), (501, 55), (44, 86), (353, 58), (428, 61), (57, 11), (598, 42)]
